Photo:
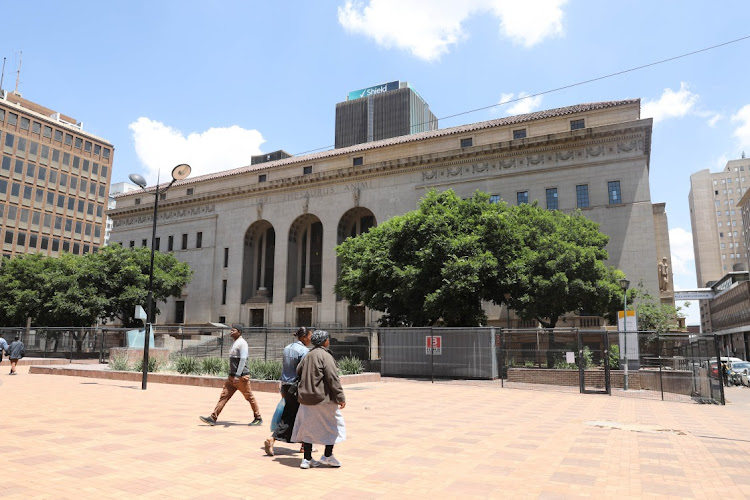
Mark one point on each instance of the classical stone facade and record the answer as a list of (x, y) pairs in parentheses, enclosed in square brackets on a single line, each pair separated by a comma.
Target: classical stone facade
[(262, 238)]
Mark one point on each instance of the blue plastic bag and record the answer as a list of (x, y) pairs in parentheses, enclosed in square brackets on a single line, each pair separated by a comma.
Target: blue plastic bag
[(277, 414)]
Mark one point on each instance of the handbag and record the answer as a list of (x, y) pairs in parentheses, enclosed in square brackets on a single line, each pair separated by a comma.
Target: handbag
[(277, 414), (292, 389)]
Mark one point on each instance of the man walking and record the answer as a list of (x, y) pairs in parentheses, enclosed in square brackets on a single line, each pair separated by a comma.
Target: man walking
[(238, 378), (15, 352)]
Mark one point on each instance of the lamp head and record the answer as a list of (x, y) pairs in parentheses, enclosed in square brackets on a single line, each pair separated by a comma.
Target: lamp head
[(624, 284), (138, 180), (181, 171)]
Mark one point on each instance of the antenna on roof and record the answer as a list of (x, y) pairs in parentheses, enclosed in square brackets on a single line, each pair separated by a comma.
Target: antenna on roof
[(18, 73), (2, 75)]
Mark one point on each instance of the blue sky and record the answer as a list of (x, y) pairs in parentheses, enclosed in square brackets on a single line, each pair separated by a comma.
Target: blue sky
[(169, 82)]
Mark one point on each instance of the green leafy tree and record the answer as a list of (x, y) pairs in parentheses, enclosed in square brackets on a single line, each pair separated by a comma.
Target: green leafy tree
[(122, 277), (563, 269), (24, 290), (436, 263), (653, 316)]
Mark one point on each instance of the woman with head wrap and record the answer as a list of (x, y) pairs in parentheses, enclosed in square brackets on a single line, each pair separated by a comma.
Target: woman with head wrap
[(321, 398)]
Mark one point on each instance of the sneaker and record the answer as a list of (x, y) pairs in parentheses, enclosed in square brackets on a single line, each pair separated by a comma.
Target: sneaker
[(329, 461), (268, 447), (208, 420), (308, 464), (258, 421)]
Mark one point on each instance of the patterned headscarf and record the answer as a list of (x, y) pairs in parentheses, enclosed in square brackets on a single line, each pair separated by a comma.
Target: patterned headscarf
[(319, 337)]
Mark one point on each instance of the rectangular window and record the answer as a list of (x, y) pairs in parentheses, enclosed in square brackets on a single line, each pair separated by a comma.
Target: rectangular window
[(170, 243), (522, 197), (9, 236), (12, 118), (79, 143), (25, 123), (87, 146), (48, 132), (132, 244), (9, 139), (97, 149), (157, 243), (615, 196), (184, 241), (582, 196), (58, 135), (179, 311), (6, 163), (189, 191), (36, 127), (577, 124), (68, 139), (144, 242), (226, 257), (223, 292), (494, 198), (359, 160), (199, 240), (552, 199), (262, 178), (307, 170), (106, 153), (519, 134), (466, 143)]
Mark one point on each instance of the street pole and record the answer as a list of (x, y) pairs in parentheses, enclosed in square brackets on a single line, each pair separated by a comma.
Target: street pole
[(624, 284), (178, 173)]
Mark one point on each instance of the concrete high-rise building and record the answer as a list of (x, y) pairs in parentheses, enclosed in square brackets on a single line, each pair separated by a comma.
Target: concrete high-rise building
[(380, 112), (54, 179), (719, 241)]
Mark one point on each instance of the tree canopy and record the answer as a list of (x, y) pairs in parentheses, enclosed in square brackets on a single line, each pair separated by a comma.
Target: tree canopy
[(439, 262), (73, 290)]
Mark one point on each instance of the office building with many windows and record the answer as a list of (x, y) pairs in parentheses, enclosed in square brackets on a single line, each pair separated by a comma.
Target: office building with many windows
[(261, 238), (54, 180)]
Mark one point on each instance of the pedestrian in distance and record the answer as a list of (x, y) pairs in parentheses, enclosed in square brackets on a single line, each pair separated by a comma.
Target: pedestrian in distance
[(293, 355), (321, 400), (3, 347), (237, 380), (16, 351)]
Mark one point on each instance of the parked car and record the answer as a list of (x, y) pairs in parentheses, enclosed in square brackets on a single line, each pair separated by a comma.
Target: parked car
[(742, 367), (714, 372)]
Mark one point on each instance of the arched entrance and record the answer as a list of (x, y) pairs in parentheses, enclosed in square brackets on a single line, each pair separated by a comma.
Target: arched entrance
[(354, 222), (257, 269), (304, 265)]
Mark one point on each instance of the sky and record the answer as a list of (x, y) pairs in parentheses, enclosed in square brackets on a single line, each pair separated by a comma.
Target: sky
[(211, 83)]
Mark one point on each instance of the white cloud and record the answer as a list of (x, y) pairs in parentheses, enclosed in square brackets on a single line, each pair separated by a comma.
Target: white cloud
[(160, 147), (429, 28), (671, 104), (522, 105), (683, 258), (683, 271), (742, 132)]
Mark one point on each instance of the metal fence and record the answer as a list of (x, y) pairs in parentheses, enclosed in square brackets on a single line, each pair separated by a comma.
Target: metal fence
[(673, 366)]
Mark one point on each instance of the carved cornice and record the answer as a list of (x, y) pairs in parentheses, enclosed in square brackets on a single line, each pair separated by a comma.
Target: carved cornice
[(549, 150)]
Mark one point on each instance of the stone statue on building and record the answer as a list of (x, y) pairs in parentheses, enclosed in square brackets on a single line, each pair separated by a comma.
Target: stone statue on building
[(663, 275)]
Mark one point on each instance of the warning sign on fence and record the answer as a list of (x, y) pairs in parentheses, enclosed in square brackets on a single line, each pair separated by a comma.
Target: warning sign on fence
[(434, 344)]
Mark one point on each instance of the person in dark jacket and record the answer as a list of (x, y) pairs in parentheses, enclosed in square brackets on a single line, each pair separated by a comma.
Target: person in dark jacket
[(321, 398), (15, 352), (238, 378), (293, 355)]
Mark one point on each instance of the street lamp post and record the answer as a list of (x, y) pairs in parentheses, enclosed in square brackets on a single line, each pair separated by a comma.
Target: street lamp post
[(178, 173), (506, 295), (624, 284)]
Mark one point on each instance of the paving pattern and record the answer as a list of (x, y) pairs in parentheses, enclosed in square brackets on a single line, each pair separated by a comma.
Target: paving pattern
[(72, 437)]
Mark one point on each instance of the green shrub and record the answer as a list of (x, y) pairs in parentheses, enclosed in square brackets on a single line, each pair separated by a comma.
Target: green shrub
[(214, 366), (350, 365), (528, 364), (186, 365), (264, 370), (154, 365), (119, 362), (614, 357), (588, 357)]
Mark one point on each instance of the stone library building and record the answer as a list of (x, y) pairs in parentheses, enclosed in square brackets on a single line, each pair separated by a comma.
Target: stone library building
[(261, 238), (54, 181)]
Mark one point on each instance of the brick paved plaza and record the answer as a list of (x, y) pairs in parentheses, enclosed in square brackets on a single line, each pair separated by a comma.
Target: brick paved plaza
[(73, 437)]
